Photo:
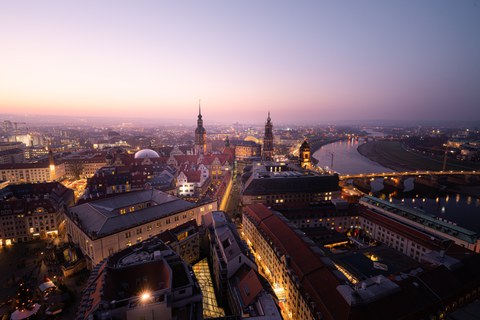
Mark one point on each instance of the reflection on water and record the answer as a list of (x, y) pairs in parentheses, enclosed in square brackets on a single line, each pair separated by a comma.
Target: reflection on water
[(346, 159), (463, 211)]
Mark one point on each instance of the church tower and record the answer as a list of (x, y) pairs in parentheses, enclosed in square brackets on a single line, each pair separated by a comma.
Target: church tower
[(267, 153), (304, 155), (200, 135)]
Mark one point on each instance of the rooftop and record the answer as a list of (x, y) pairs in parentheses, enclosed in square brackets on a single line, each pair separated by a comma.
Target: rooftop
[(313, 269), (422, 289), (146, 153), (102, 217), (120, 280)]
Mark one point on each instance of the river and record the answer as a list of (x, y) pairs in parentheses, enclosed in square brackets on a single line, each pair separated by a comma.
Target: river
[(346, 158), (463, 210)]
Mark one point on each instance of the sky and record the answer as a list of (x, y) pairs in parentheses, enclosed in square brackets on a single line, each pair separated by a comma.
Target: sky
[(302, 60)]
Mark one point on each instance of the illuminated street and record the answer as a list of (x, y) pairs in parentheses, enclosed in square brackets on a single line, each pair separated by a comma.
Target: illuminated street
[(78, 186)]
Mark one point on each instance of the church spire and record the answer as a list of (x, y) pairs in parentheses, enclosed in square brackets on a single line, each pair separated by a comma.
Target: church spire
[(199, 108), (227, 142), (200, 133), (268, 151)]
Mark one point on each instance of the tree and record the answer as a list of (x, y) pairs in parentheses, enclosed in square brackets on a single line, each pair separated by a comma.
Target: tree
[(77, 169), (23, 299)]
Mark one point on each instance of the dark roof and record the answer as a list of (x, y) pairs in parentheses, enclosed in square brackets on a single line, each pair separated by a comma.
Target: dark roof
[(101, 217), (305, 145), (294, 184), (8, 166), (170, 235), (10, 151), (27, 197)]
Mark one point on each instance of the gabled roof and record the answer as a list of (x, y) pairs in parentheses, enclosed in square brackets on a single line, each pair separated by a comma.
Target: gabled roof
[(193, 176), (249, 287)]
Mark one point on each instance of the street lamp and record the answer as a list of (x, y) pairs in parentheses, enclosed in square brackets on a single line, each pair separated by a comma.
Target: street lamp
[(144, 297)]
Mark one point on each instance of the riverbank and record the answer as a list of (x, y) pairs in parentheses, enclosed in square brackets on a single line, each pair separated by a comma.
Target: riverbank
[(392, 155)]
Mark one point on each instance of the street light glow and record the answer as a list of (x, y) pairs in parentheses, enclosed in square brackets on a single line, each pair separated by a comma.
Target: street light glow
[(145, 296)]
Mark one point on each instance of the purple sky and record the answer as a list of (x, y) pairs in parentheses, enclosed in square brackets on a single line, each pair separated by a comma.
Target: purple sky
[(303, 61)]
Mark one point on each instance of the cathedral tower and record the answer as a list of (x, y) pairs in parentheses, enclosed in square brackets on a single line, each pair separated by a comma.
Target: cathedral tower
[(267, 153), (200, 134)]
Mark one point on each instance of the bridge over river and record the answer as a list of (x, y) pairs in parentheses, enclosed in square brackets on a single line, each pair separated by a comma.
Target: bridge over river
[(396, 180), (406, 174)]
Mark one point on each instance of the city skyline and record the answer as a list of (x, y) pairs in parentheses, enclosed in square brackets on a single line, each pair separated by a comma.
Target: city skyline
[(306, 62)]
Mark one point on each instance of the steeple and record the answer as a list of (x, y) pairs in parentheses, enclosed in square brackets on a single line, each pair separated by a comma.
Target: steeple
[(227, 142), (200, 133), (199, 109), (268, 151)]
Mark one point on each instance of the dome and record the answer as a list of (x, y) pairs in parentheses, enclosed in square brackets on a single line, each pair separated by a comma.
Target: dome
[(146, 153)]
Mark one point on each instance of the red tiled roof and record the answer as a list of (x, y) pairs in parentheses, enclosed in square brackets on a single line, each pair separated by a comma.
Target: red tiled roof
[(193, 176), (249, 287), (94, 295), (186, 158), (317, 279)]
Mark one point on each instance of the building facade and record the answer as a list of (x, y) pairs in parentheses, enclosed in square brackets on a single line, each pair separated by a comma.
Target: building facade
[(32, 172), (102, 227), (32, 211), (277, 184), (184, 240), (247, 150), (411, 231), (292, 266), (83, 165)]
